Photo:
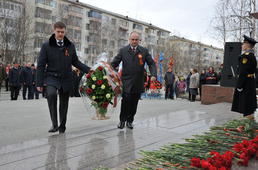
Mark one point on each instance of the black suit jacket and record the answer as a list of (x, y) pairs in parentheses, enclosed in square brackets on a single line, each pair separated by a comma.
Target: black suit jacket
[(59, 62), (132, 72)]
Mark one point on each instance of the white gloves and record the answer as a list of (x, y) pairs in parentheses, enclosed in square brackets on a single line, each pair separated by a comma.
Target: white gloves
[(239, 89)]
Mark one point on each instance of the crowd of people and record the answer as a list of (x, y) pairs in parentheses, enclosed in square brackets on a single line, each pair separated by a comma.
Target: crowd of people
[(176, 86), (17, 77)]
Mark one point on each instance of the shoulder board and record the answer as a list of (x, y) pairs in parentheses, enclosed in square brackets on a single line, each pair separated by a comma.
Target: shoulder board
[(246, 53)]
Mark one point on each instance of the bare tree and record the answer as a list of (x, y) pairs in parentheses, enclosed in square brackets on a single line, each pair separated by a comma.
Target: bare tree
[(232, 20), (16, 33)]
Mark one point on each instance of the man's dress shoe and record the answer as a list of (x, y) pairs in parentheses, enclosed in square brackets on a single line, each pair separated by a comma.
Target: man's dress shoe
[(53, 129), (121, 125), (61, 130), (129, 125)]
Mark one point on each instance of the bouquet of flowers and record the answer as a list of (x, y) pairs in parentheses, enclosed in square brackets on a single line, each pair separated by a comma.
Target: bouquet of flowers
[(102, 88)]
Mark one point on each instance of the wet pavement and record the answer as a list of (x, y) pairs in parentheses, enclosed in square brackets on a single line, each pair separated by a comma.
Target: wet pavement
[(87, 144)]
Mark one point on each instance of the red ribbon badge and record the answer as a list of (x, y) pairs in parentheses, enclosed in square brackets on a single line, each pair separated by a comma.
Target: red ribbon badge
[(140, 59), (66, 52)]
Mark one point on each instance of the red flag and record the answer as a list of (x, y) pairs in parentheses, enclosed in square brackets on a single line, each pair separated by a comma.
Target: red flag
[(171, 63), (156, 60)]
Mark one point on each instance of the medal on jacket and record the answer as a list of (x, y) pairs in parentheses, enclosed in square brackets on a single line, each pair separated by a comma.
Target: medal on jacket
[(66, 52), (140, 59), (244, 61)]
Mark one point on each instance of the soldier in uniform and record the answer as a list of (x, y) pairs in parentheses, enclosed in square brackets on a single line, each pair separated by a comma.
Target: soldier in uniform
[(244, 100)]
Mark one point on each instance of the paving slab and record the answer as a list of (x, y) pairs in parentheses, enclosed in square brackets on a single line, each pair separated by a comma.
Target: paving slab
[(88, 144)]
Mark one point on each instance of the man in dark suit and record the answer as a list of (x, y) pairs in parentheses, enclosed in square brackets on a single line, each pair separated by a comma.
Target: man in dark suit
[(14, 80), (244, 100), (59, 55), (133, 57), (27, 81)]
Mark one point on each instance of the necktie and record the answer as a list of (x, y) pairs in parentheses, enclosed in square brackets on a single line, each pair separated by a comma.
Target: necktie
[(133, 50), (60, 43)]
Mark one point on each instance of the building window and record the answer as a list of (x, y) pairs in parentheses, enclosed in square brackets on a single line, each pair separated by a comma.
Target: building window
[(75, 9), (95, 14), (77, 46), (104, 30), (43, 13), (77, 34), (123, 23), (105, 19), (53, 18), (112, 43), (122, 43), (64, 8), (64, 20), (43, 28), (38, 42), (137, 26), (87, 26), (53, 4), (87, 38), (104, 42), (86, 51), (95, 25), (76, 21), (113, 21)]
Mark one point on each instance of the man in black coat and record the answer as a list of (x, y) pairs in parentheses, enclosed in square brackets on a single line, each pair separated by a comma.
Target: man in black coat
[(14, 81), (59, 55), (27, 80), (169, 82), (133, 57), (244, 100)]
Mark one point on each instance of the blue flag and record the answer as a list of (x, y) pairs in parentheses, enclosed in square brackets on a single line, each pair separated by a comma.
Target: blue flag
[(160, 68)]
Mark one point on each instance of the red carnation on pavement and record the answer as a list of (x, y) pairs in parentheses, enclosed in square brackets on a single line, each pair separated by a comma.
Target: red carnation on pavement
[(99, 82), (195, 162), (89, 91), (88, 76), (100, 68), (105, 105)]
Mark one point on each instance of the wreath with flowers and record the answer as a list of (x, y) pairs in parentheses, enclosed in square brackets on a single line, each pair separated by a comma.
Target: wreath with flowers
[(102, 89)]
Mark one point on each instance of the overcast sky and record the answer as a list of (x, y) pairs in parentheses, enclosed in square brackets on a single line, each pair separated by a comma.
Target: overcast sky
[(187, 18)]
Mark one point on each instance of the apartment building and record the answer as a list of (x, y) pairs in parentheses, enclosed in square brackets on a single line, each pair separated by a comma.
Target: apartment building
[(93, 30), (196, 54)]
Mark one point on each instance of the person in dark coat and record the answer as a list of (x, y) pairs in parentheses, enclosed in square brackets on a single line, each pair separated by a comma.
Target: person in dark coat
[(26, 79), (187, 84), (59, 55), (169, 82), (2, 76), (34, 92), (211, 76), (256, 78), (133, 56), (244, 100), (14, 81), (202, 81)]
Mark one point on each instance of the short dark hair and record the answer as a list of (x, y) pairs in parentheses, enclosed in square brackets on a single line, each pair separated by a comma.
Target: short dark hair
[(15, 62), (59, 24), (195, 70)]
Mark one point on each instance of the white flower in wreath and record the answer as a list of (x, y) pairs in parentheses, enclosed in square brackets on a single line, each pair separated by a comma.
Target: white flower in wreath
[(93, 86), (84, 84), (93, 97), (103, 87), (94, 78), (108, 96), (104, 77)]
